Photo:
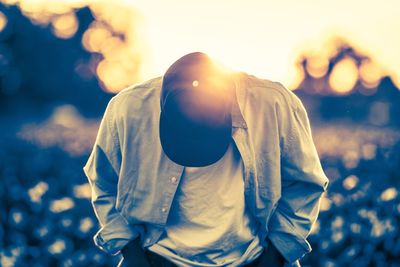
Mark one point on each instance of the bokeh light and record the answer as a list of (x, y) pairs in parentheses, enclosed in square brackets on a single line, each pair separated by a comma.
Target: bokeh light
[(3, 21), (389, 194), (318, 66), (344, 76), (370, 74), (94, 36), (350, 182), (117, 39), (379, 113), (65, 26)]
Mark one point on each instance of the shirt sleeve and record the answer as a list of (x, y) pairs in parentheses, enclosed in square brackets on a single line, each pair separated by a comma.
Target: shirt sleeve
[(102, 170), (303, 182)]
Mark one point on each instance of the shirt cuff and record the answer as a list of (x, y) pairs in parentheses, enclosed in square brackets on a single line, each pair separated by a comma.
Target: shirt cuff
[(291, 246), (295, 264), (113, 236)]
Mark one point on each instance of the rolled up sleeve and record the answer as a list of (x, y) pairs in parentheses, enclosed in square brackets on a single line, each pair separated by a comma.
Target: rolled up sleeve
[(303, 182), (102, 170)]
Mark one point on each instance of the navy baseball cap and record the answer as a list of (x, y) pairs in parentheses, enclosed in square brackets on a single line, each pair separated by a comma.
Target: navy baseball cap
[(195, 119)]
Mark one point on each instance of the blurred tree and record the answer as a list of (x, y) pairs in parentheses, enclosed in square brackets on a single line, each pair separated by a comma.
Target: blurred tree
[(343, 83), (56, 55), (38, 69)]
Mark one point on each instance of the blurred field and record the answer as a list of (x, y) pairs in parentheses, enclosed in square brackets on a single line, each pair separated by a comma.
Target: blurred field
[(47, 220)]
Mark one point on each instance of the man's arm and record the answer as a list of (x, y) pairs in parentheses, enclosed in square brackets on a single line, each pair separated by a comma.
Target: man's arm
[(102, 169), (303, 182)]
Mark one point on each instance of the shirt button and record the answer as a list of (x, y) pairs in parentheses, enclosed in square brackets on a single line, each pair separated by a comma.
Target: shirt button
[(173, 179), (164, 209)]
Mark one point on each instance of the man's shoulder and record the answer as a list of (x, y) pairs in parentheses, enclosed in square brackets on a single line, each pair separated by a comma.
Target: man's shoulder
[(269, 91), (139, 89), (137, 96)]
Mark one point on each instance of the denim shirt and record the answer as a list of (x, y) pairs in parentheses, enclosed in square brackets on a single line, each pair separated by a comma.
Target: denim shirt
[(133, 182)]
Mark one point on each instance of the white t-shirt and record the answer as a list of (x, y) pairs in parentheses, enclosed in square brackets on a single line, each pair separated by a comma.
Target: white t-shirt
[(208, 223)]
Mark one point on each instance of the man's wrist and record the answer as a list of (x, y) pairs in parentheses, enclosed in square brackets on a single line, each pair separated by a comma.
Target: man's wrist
[(134, 254), (271, 256)]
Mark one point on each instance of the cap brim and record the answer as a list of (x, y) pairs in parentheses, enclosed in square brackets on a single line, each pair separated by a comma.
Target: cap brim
[(185, 149)]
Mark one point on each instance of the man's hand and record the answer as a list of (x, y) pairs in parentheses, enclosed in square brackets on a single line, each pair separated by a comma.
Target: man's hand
[(134, 256), (271, 257)]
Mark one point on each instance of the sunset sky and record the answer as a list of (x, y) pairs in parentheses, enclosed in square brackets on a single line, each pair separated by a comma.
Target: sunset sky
[(265, 37), (261, 37)]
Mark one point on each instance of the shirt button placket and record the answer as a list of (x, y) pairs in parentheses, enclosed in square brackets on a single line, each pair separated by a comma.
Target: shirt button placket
[(169, 194)]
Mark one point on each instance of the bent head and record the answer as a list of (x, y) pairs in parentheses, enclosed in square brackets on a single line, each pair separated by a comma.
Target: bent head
[(196, 100), (197, 91)]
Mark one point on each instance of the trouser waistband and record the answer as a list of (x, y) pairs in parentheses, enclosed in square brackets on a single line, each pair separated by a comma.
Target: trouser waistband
[(159, 261)]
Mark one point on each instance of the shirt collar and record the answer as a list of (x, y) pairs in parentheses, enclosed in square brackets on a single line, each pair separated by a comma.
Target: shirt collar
[(236, 113)]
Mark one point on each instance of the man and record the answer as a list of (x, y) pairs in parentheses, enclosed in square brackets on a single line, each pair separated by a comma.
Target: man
[(205, 167)]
